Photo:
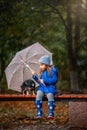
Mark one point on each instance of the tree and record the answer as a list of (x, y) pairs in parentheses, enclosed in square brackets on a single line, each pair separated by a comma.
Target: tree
[(73, 52)]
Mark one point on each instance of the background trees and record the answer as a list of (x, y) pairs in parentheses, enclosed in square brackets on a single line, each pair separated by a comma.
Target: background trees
[(59, 25)]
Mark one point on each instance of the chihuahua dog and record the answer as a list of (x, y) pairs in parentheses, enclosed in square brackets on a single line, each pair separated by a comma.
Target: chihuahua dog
[(28, 87)]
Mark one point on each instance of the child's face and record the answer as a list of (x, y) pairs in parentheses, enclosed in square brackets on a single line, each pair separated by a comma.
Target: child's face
[(42, 66)]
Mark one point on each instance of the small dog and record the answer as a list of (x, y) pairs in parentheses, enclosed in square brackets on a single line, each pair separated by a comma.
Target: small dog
[(28, 87)]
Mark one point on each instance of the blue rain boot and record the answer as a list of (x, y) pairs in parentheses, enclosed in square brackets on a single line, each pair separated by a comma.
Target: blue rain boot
[(39, 108), (51, 106)]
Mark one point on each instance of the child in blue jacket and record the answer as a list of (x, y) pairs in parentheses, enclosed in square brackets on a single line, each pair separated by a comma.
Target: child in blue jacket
[(47, 79)]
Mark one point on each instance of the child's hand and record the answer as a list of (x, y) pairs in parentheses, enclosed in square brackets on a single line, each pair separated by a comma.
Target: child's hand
[(33, 72), (41, 80)]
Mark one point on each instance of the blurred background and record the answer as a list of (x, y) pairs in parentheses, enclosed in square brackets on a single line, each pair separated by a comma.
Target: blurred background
[(59, 25)]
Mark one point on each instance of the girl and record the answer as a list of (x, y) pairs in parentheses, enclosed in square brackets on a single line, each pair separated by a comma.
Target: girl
[(47, 79)]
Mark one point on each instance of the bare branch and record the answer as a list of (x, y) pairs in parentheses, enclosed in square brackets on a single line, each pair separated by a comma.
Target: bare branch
[(59, 13)]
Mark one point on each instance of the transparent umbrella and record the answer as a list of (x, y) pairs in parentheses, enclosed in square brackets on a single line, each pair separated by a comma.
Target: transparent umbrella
[(20, 67)]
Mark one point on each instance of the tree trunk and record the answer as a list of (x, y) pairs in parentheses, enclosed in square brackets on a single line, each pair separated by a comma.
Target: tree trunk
[(74, 81), (72, 58)]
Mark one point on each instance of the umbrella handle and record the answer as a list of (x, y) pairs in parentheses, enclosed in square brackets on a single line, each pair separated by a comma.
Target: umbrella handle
[(28, 67)]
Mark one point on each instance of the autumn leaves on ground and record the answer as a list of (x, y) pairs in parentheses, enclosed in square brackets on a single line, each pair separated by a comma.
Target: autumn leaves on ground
[(25, 112)]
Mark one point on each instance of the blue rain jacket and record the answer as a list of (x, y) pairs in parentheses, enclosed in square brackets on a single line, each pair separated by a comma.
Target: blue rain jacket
[(49, 81)]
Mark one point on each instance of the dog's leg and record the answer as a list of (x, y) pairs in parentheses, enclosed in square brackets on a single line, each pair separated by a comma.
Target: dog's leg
[(23, 93), (27, 93), (33, 92)]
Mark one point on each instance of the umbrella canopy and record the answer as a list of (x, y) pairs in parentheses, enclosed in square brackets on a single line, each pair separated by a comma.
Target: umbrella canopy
[(17, 72)]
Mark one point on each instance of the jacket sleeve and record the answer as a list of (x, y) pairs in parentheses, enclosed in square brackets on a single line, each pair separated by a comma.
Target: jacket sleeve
[(35, 77), (53, 79)]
